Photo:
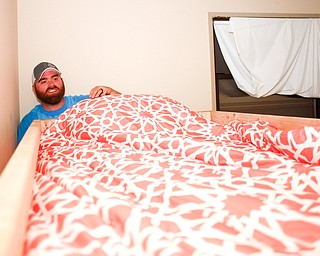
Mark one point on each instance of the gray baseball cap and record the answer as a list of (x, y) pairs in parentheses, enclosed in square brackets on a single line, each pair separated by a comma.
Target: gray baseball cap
[(41, 68)]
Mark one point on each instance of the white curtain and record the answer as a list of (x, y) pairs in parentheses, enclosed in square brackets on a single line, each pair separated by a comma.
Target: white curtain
[(272, 56)]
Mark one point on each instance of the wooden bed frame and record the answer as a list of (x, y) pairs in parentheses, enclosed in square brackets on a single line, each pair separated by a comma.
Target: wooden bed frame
[(17, 177)]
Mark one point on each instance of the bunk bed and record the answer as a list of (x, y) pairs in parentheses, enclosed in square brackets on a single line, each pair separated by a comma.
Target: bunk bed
[(145, 175)]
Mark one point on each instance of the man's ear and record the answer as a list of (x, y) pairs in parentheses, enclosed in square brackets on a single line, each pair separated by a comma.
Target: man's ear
[(34, 88), (34, 92)]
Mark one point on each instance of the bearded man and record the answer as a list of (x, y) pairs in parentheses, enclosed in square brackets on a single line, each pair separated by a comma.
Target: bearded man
[(49, 88)]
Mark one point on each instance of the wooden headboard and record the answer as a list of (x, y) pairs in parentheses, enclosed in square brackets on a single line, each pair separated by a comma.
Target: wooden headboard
[(281, 122)]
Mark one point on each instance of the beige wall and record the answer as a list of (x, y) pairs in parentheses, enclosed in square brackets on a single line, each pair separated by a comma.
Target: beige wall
[(9, 89), (136, 46)]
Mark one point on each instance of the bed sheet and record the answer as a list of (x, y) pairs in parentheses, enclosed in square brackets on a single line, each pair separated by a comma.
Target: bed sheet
[(145, 175)]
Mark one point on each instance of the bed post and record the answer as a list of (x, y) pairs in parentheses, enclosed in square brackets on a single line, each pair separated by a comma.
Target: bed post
[(16, 192)]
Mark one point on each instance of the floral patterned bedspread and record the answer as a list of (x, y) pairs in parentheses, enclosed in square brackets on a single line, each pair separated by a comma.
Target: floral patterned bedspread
[(145, 175)]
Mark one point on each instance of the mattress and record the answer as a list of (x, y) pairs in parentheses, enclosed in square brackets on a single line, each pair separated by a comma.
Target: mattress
[(145, 175)]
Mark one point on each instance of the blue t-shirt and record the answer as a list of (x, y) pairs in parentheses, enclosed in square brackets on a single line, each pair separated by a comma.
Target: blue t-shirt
[(38, 113)]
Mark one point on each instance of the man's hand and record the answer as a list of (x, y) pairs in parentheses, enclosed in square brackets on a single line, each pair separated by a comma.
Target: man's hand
[(100, 90)]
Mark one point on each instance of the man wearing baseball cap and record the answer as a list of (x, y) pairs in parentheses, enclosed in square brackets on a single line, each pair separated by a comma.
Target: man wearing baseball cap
[(49, 88)]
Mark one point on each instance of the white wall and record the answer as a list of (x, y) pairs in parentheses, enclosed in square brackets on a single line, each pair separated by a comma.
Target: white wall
[(136, 46), (9, 89)]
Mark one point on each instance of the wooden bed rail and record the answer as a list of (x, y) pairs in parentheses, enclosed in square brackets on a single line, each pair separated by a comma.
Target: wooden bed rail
[(16, 192), (281, 122)]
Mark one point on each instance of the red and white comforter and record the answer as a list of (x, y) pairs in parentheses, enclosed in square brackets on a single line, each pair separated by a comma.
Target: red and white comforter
[(144, 175)]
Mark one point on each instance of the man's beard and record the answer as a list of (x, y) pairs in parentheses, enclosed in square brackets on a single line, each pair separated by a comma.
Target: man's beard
[(51, 99)]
